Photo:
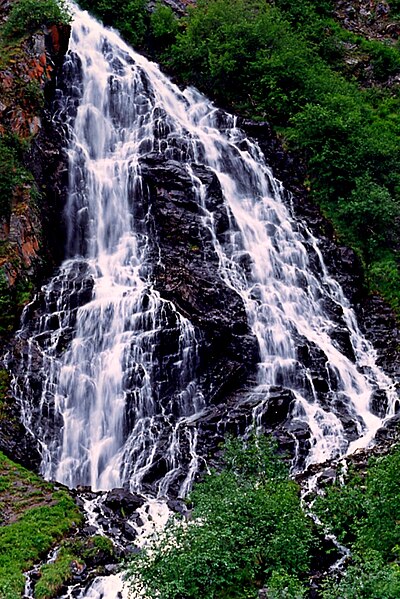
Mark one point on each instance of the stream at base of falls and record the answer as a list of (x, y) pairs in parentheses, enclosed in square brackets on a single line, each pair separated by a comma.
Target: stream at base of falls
[(111, 378)]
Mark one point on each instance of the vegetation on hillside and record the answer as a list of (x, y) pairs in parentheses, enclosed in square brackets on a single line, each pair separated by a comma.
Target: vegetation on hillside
[(26, 16), (284, 62), (363, 514), (33, 516), (247, 531)]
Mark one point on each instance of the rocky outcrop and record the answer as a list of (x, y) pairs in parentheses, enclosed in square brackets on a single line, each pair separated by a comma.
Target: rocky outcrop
[(27, 85), (370, 18), (30, 232), (179, 7), (186, 271)]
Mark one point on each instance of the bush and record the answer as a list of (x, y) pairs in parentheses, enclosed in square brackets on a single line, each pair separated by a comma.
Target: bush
[(12, 172), (128, 16), (368, 215), (364, 515), (365, 578), (248, 530), (163, 23), (28, 15)]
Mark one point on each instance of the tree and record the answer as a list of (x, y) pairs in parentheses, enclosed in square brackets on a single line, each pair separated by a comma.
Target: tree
[(247, 531)]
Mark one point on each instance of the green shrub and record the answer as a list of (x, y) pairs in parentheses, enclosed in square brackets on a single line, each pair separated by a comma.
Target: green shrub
[(28, 15), (366, 578), (248, 530), (395, 7), (128, 16), (364, 515), (385, 59), (163, 27), (12, 172), (8, 308), (368, 215)]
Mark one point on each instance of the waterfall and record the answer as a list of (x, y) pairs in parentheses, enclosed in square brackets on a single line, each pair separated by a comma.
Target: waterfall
[(95, 390)]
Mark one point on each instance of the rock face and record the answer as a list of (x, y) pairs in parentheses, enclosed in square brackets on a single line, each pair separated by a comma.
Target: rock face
[(28, 80), (186, 272), (178, 6), (30, 234)]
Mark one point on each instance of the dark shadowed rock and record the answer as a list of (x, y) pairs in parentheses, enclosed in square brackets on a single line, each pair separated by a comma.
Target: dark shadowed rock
[(120, 500), (186, 271)]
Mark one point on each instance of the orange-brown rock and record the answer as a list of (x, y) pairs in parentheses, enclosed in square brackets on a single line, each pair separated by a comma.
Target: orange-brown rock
[(27, 79)]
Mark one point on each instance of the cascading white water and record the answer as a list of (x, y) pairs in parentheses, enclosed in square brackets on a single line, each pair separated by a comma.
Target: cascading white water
[(100, 357)]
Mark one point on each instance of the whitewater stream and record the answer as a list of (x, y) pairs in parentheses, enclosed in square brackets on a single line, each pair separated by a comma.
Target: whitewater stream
[(99, 422)]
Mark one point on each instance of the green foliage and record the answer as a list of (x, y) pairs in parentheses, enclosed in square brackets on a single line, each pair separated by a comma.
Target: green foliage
[(34, 95), (34, 530), (368, 215), (28, 15), (100, 543), (128, 16), (395, 7), (163, 27), (7, 306), (385, 58), (364, 515), (366, 578), (4, 383), (384, 275), (12, 301), (247, 530), (163, 22), (12, 172), (241, 52)]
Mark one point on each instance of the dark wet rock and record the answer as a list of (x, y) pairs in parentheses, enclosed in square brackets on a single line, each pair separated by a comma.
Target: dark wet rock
[(328, 476), (379, 403), (128, 531), (280, 402), (15, 441), (321, 385), (380, 325), (389, 434), (341, 340), (123, 502), (89, 531), (186, 272), (178, 506), (111, 568), (179, 7), (132, 550)]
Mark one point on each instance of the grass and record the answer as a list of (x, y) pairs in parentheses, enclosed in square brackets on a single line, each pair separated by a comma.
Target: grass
[(34, 516), (77, 552)]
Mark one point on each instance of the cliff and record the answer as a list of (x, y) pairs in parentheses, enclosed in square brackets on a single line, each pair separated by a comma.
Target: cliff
[(32, 174), (31, 159)]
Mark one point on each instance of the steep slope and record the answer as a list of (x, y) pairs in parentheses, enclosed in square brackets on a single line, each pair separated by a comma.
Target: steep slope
[(32, 46)]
